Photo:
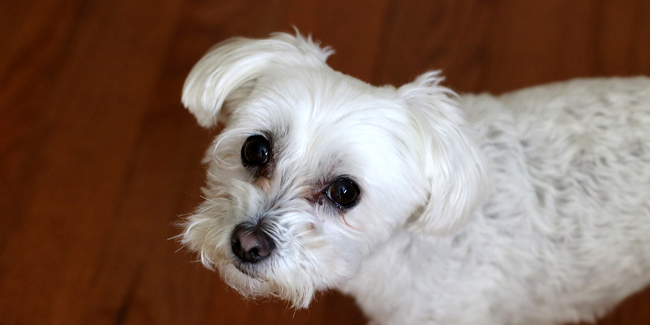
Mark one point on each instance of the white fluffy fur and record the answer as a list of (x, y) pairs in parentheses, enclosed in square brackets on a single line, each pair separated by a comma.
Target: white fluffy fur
[(527, 208)]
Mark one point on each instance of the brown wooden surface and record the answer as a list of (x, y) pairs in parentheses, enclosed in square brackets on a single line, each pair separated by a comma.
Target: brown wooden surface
[(98, 158)]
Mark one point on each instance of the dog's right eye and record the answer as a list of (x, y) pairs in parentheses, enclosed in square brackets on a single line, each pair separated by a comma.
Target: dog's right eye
[(256, 151), (344, 192)]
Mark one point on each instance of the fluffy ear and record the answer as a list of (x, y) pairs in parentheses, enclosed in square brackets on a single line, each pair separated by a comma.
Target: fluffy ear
[(228, 70), (452, 163)]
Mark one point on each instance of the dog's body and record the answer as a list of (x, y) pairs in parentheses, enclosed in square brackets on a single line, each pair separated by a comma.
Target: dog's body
[(528, 208), (565, 231)]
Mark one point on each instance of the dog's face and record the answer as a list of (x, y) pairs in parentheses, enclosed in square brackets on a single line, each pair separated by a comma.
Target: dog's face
[(315, 169)]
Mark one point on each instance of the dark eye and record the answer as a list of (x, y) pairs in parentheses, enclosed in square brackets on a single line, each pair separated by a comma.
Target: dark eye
[(343, 192), (255, 151)]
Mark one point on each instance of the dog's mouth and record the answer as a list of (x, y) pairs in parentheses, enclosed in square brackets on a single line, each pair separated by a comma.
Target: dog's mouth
[(247, 269)]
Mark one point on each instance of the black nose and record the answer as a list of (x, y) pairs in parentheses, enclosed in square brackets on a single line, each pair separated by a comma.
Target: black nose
[(250, 243)]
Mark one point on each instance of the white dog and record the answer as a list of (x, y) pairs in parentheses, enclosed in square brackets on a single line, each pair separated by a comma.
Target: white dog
[(429, 208)]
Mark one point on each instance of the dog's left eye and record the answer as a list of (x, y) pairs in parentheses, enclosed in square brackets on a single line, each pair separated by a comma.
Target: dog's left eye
[(343, 192), (255, 151)]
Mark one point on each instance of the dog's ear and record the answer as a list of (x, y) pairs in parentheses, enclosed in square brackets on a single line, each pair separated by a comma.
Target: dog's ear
[(229, 70), (451, 161)]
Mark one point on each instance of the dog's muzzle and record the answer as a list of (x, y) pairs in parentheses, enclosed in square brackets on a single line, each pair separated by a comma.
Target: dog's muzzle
[(250, 243)]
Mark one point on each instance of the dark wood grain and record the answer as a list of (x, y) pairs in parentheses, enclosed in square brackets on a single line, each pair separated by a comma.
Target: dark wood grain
[(98, 158)]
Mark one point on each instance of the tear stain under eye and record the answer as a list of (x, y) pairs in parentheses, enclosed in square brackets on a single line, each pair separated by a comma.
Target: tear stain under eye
[(266, 171), (311, 227), (316, 196), (312, 195), (263, 183), (346, 222)]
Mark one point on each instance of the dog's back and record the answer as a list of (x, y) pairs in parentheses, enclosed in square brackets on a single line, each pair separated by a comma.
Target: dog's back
[(586, 145)]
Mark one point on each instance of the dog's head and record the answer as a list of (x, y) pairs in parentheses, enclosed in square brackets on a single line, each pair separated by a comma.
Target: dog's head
[(315, 169)]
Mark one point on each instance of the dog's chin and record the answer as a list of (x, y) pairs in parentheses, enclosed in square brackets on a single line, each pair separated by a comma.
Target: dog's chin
[(258, 282), (246, 281)]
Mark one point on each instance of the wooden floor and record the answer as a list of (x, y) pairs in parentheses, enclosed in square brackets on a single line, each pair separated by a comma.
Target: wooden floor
[(98, 158)]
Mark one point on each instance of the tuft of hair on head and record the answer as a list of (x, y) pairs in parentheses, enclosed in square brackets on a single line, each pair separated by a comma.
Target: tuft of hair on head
[(230, 68)]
